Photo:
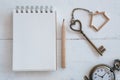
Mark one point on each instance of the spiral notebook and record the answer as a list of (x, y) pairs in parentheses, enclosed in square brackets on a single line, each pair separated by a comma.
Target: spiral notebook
[(34, 38)]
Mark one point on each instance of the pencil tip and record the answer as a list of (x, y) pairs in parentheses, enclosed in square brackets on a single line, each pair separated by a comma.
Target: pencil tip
[(63, 20)]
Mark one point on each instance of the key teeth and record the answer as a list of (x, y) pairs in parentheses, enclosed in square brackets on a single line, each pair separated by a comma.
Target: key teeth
[(102, 49)]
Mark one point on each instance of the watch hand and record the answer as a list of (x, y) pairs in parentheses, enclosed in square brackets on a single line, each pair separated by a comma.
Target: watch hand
[(100, 76), (103, 75)]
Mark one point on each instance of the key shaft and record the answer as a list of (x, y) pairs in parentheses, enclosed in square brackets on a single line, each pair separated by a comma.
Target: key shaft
[(91, 43)]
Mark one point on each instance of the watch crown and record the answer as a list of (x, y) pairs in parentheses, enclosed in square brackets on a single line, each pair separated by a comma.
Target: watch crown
[(86, 78), (117, 64)]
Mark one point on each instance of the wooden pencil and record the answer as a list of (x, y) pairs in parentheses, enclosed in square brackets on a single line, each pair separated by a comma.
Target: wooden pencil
[(63, 46)]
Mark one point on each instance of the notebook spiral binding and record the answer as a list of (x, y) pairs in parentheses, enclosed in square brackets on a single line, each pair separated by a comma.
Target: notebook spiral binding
[(34, 9)]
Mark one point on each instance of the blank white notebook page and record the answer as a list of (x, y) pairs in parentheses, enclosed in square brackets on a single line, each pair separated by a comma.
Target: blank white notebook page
[(34, 41)]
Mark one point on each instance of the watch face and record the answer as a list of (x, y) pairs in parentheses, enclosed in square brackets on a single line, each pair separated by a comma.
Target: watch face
[(102, 72)]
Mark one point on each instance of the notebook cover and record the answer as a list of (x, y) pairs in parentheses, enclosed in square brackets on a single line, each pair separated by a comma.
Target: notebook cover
[(34, 41)]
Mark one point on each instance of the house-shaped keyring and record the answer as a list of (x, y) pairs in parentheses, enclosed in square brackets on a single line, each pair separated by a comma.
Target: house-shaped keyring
[(101, 14)]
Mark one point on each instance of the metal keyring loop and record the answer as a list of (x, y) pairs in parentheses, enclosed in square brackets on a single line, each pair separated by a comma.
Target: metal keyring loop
[(72, 18)]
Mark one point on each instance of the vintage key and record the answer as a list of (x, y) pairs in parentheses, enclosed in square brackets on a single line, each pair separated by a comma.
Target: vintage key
[(100, 50)]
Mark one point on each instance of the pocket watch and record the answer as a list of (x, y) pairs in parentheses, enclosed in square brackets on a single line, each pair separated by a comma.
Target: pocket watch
[(104, 72)]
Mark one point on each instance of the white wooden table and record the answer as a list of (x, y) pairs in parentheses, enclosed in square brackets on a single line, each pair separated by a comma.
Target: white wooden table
[(80, 57)]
